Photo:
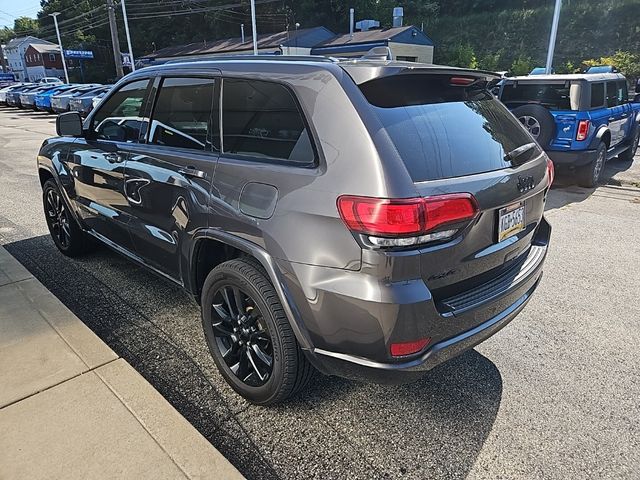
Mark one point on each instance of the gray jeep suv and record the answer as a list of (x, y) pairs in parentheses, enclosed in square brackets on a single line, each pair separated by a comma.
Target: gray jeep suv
[(369, 219)]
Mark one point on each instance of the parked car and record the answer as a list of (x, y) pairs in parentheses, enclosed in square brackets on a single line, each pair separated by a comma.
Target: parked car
[(5, 90), (96, 100), (13, 96), (28, 99), (43, 99), (602, 69), (51, 81), (540, 71), (60, 102), (581, 120), (84, 103), (373, 244)]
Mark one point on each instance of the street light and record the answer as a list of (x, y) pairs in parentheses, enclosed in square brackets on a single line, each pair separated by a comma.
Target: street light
[(64, 64), (126, 29), (253, 27)]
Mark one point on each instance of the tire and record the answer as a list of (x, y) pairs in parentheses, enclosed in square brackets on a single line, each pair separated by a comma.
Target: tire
[(64, 230), (242, 338), (589, 176), (538, 121), (630, 152)]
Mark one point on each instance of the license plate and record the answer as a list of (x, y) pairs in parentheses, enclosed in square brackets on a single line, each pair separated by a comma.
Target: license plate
[(510, 220)]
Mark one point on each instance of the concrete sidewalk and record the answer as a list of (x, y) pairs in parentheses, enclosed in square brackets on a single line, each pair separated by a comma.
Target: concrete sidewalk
[(71, 408)]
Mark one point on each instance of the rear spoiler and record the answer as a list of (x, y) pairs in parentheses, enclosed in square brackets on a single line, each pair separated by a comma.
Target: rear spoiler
[(363, 71)]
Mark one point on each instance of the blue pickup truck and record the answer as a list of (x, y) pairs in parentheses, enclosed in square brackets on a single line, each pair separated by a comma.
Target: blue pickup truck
[(581, 120)]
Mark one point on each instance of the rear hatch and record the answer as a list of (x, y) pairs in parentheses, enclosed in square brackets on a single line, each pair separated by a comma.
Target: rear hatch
[(453, 136)]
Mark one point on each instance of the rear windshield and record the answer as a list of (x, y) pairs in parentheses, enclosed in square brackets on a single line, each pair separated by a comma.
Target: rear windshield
[(552, 96), (444, 131)]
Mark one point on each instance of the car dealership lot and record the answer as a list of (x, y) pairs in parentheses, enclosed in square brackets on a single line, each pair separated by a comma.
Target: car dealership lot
[(553, 395)]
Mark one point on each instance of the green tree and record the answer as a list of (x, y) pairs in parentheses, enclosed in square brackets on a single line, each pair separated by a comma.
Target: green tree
[(25, 26), (627, 62), (462, 55), (490, 61), (521, 65)]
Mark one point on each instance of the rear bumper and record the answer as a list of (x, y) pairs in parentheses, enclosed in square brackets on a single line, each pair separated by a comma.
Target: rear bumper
[(351, 334), (577, 158), (392, 373)]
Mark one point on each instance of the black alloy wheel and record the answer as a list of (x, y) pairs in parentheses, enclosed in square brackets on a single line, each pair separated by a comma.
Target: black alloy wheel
[(64, 230), (242, 335), (249, 335)]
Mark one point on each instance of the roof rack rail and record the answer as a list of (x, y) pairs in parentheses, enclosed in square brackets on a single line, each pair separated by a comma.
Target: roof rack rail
[(248, 57)]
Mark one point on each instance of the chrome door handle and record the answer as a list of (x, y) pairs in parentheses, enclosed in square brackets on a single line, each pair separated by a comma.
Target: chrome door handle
[(192, 172)]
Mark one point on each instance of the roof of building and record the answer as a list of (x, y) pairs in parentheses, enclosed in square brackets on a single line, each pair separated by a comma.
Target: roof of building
[(369, 36), (15, 42), (40, 48), (304, 37)]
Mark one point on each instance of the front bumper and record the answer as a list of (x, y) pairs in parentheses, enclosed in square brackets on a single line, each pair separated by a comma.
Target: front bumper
[(576, 158)]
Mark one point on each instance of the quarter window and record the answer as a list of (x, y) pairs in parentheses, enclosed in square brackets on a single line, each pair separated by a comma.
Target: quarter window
[(182, 116), (623, 92), (121, 117), (262, 120), (597, 95)]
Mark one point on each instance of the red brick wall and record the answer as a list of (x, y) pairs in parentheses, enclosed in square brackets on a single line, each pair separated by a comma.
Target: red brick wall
[(33, 58)]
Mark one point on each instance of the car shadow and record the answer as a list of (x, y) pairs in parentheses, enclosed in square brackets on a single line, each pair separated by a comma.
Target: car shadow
[(410, 429)]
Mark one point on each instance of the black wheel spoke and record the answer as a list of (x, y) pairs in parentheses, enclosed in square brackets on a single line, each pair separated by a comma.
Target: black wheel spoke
[(241, 335)]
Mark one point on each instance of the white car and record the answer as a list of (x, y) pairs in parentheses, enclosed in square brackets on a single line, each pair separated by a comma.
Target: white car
[(51, 80)]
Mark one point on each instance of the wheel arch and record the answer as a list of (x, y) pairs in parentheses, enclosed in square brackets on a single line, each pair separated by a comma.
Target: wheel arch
[(603, 134), (230, 246)]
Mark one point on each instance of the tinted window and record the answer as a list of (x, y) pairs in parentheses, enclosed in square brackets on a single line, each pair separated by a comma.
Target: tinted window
[(597, 95), (182, 116), (120, 117), (612, 94), (262, 119), (554, 97), (443, 131)]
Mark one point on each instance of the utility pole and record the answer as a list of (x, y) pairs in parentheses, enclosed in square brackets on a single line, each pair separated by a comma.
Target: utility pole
[(253, 27), (64, 63), (126, 29), (114, 38), (552, 37)]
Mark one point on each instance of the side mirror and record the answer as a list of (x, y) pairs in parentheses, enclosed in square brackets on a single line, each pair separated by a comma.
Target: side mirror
[(69, 124)]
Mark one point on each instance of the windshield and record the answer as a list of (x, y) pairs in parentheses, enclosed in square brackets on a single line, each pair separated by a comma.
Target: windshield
[(442, 130)]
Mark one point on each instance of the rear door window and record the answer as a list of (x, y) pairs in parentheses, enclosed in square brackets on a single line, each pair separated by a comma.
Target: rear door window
[(443, 131), (182, 116), (549, 95), (262, 120)]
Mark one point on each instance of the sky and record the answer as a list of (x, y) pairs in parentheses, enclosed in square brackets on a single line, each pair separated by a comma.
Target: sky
[(10, 9)]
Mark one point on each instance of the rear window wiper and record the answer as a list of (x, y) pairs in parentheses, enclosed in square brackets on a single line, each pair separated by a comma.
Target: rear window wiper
[(516, 153)]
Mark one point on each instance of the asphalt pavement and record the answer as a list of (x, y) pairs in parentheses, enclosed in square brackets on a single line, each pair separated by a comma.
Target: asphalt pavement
[(553, 395)]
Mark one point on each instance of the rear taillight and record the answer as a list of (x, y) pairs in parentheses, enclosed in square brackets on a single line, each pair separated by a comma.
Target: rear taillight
[(551, 173), (407, 221), (583, 130)]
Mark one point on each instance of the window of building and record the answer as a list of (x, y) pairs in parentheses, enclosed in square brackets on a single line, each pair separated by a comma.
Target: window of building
[(121, 118), (597, 95), (262, 120), (52, 57), (182, 116)]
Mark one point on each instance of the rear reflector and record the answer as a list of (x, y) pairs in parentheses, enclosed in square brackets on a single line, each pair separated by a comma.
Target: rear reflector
[(407, 348), (406, 216), (583, 130)]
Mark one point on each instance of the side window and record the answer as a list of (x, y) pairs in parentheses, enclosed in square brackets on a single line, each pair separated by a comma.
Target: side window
[(597, 95), (612, 94), (623, 92), (182, 116), (120, 117), (262, 119)]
